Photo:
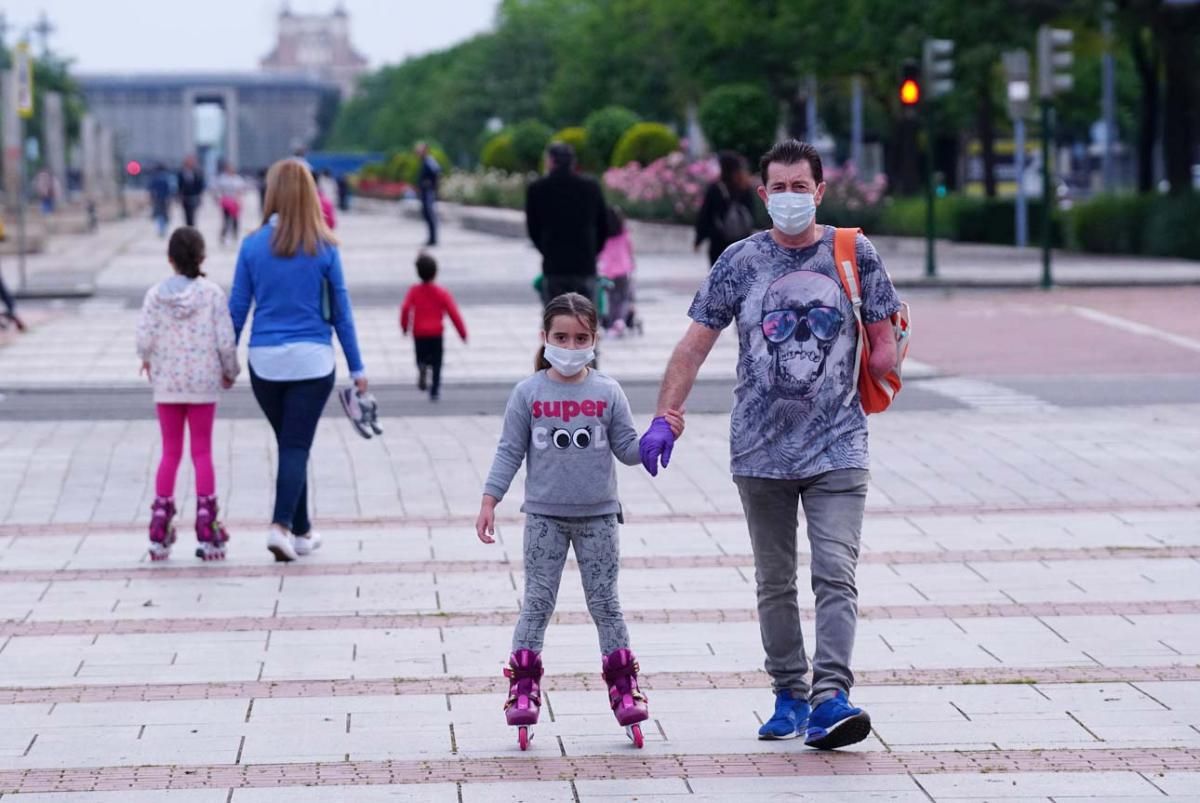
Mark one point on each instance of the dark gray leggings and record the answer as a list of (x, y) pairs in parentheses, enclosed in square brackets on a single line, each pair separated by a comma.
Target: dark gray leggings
[(597, 549)]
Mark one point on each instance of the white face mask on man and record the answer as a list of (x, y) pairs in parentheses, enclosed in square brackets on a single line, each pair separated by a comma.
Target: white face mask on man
[(792, 212), (569, 362)]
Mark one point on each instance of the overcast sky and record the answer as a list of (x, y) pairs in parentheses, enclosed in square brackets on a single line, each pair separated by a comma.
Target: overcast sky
[(216, 35)]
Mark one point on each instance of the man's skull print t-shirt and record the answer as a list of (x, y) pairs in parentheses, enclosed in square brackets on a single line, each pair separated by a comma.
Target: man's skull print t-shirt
[(797, 339)]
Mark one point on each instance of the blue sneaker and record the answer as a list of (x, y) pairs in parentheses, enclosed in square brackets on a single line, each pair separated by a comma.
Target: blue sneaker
[(789, 718), (835, 723)]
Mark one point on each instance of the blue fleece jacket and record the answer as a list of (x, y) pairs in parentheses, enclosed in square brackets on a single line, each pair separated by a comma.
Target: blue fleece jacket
[(286, 293)]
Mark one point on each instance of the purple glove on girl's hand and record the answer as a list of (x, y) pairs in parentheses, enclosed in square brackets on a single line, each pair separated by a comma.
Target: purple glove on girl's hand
[(658, 440)]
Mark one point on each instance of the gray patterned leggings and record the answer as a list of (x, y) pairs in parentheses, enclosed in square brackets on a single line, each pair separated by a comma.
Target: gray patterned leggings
[(597, 549)]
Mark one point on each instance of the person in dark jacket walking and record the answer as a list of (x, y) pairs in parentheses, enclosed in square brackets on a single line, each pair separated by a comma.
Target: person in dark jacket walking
[(727, 213), (427, 185), (567, 221), (160, 197), (190, 185)]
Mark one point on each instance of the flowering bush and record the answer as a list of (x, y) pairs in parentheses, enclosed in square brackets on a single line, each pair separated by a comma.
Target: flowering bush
[(487, 187), (850, 201), (669, 189)]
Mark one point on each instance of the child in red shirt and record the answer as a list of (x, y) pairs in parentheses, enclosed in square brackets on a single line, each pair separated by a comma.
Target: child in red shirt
[(424, 306)]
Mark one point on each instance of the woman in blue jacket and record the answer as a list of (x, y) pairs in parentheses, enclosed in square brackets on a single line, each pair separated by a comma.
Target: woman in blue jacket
[(290, 270)]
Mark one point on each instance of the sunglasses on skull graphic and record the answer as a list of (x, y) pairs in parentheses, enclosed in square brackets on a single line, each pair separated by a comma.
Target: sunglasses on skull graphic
[(813, 320)]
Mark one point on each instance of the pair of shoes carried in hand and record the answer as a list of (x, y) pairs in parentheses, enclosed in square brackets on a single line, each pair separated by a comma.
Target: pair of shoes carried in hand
[(362, 410)]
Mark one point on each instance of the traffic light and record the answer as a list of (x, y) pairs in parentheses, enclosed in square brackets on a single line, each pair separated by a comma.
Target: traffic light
[(937, 64), (1054, 61), (910, 84), (134, 167)]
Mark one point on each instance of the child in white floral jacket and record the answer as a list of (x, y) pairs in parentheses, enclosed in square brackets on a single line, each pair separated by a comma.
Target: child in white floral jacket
[(186, 343)]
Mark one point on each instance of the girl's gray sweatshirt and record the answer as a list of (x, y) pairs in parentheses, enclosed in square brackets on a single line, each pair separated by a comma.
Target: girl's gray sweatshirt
[(567, 433)]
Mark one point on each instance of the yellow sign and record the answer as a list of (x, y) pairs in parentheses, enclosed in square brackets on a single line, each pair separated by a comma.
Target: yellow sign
[(23, 65)]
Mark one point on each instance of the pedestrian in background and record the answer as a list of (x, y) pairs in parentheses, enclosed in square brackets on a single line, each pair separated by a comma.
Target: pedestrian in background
[(186, 343), (727, 212), (429, 176), (190, 184), (424, 308), (567, 221), (290, 271), (616, 264), (228, 189), (160, 197)]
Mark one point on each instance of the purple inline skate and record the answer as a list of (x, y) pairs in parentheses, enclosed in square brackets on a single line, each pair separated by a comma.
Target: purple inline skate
[(627, 701), (210, 532), (524, 701), (162, 528)]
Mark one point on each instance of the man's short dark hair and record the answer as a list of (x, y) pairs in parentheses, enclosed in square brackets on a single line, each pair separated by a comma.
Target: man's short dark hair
[(562, 155), (790, 152), (426, 267)]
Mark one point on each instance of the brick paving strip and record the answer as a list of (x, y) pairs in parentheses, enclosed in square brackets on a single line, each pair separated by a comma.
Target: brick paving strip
[(658, 681), (164, 572), (467, 520), (407, 621), (635, 765)]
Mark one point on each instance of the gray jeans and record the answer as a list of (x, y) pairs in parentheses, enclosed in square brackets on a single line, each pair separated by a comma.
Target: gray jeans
[(833, 509), (597, 549)]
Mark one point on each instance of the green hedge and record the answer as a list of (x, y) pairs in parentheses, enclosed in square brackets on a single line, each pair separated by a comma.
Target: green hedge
[(529, 141), (643, 143), (740, 117), (604, 127), (963, 219), (498, 153), (1153, 225)]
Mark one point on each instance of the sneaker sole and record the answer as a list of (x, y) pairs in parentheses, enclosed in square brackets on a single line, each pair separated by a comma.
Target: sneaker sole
[(770, 737), (851, 730), (281, 555)]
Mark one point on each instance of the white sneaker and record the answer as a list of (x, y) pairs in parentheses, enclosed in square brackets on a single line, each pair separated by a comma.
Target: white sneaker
[(282, 545), (308, 543)]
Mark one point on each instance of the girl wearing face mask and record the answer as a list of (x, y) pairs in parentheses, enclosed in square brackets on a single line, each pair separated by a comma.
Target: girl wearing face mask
[(566, 423)]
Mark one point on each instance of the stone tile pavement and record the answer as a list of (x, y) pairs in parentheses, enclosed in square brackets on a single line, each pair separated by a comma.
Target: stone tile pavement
[(1030, 622)]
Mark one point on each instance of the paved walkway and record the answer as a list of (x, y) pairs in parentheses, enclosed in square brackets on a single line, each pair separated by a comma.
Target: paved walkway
[(1030, 620)]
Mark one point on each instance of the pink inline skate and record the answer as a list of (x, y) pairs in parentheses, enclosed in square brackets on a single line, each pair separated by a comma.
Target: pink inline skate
[(210, 532), (627, 701), (162, 528), (524, 701)]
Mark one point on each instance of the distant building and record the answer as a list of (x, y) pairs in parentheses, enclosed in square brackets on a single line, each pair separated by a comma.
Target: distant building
[(318, 46)]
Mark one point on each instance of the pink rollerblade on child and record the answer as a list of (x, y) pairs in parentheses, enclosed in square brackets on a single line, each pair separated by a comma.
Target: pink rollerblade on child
[(162, 528), (628, 702), (210, 532), (524, 693)]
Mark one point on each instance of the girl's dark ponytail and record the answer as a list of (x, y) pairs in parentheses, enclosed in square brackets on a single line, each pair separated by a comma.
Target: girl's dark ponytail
[(186, 251), (540, 363)]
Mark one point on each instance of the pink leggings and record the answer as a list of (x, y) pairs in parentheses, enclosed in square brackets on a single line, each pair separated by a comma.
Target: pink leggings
[(199, 421)]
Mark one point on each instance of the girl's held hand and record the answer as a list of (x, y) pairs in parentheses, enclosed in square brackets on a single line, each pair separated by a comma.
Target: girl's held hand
[(675, 421), (227, 382), (485, 524), (145, 369)]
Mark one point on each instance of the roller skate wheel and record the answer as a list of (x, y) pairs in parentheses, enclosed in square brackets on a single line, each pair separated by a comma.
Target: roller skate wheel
[(524, 737), (634, 732)]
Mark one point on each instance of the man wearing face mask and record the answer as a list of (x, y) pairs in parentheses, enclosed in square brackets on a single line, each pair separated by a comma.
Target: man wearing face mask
[(798, 434)]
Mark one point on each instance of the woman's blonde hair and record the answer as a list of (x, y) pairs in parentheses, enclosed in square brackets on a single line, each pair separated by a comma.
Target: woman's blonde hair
[(292, 194)]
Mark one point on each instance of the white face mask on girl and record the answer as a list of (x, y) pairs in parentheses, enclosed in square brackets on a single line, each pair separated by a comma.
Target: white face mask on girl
[(792, 212), (569, 362)]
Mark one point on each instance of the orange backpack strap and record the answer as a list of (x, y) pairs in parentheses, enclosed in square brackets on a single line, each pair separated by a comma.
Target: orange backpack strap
[(845, 257)]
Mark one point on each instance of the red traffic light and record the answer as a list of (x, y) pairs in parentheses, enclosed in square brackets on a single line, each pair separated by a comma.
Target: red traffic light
[(134, 168), (910, 92)]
